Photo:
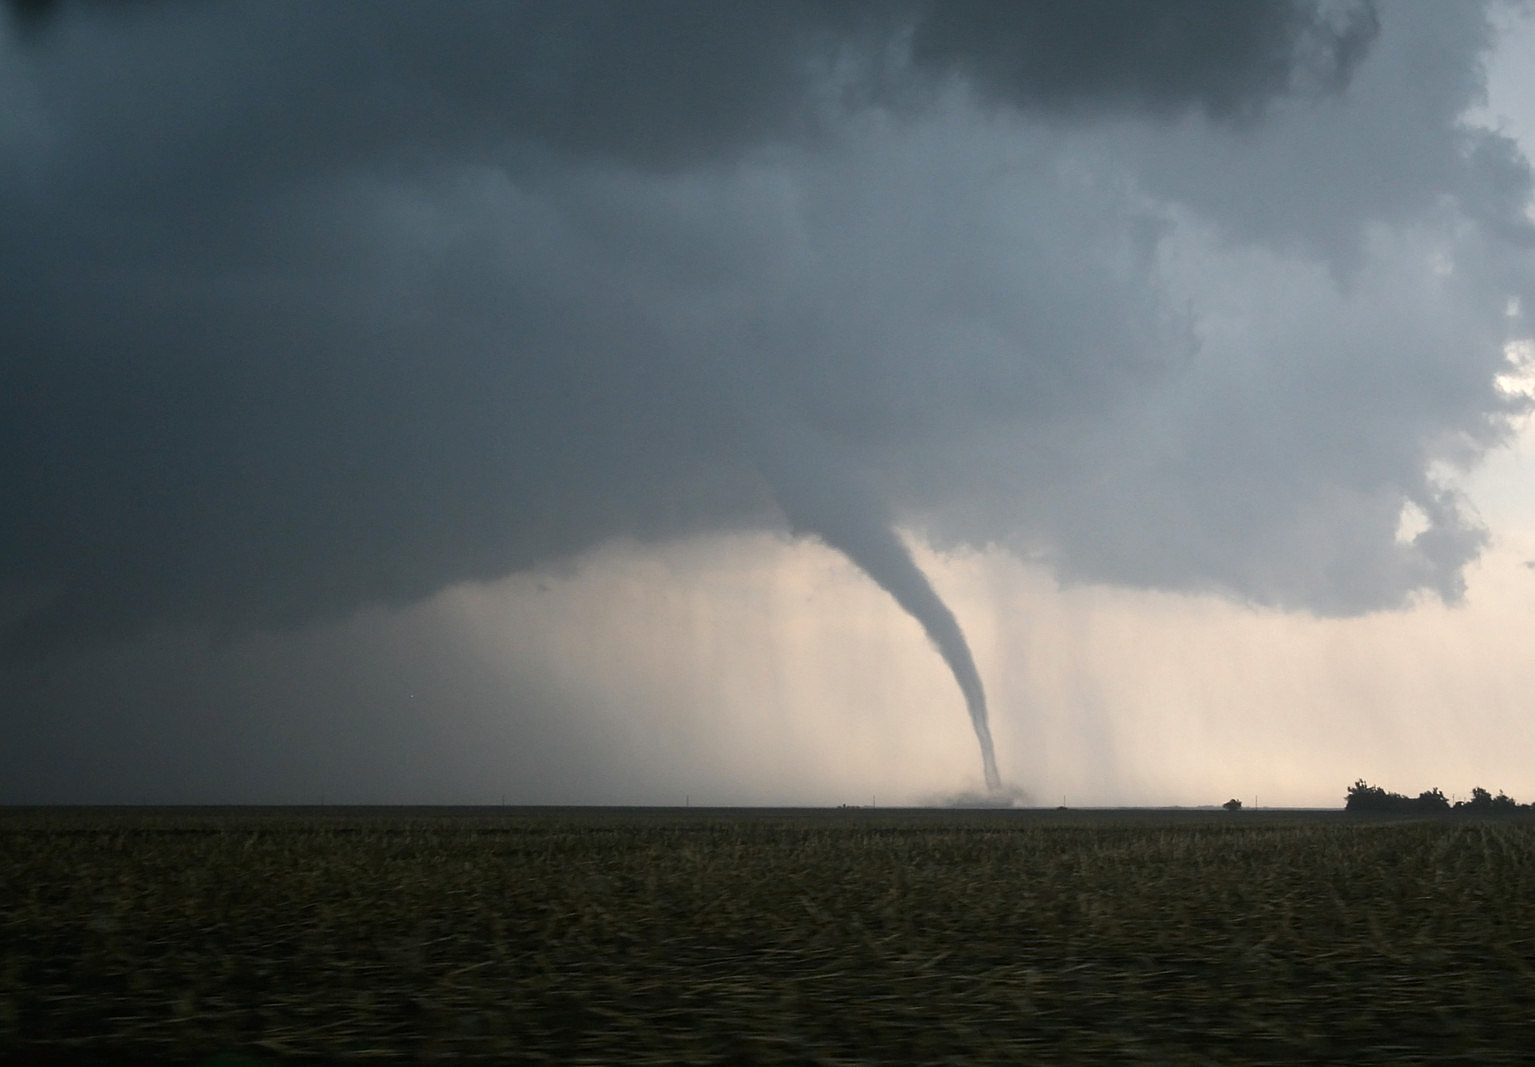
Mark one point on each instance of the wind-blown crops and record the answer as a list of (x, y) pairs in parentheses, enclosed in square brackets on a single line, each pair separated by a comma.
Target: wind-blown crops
[(834, 937)]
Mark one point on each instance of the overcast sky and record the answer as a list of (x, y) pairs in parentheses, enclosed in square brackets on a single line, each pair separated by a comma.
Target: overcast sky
[(624, 403)]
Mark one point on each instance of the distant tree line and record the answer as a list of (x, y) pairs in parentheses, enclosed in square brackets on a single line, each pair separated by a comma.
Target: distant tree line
[(1372, 799)]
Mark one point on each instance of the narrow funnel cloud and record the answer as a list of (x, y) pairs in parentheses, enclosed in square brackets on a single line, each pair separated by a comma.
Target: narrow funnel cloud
[(848, 519)]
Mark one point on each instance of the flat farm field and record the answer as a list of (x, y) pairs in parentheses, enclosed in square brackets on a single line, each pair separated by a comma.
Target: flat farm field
[(243, 936)]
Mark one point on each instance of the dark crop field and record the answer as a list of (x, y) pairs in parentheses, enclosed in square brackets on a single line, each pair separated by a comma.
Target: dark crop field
[(601, 936)]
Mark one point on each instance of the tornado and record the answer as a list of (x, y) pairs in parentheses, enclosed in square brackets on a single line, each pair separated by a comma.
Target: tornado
[(880, 553), (836, 510)]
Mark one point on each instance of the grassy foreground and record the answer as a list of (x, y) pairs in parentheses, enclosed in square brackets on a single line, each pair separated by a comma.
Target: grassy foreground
[(741, 937)]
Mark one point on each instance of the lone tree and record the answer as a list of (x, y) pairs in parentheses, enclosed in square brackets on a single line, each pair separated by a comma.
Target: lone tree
[(1232, 805)]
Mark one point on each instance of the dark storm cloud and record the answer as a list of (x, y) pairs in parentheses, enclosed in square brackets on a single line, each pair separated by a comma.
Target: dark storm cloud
[(261, 90), (309, 307), (1229, 59)]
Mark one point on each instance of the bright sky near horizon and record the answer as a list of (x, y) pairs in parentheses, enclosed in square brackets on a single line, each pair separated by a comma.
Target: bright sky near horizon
[(449, 435)]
